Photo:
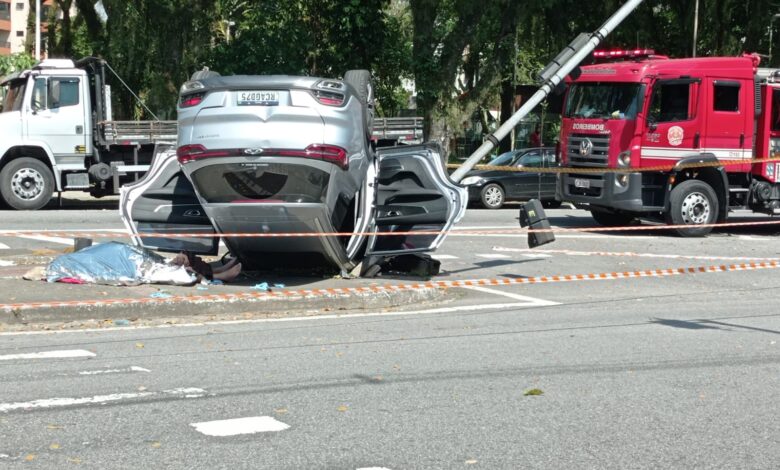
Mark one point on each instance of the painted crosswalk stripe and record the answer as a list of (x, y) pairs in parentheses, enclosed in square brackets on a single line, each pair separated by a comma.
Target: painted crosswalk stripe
[(98, 399), (114, 371), (493, 256), (234, 427), (64, 354)]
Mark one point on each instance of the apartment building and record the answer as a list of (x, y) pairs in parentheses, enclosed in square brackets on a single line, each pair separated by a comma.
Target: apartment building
[(13, 24)]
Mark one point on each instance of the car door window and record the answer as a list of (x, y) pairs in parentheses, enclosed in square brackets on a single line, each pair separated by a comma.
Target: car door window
[(671, 102), (63, 92), (531, 160), (549, 159)]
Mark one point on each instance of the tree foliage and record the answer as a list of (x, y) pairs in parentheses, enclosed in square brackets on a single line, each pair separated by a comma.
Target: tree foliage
[(462, 55)]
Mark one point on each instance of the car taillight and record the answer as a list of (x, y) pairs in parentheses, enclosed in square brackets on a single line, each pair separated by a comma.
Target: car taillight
[(191, 100), (329, 98), (188, 153), (328, 153)]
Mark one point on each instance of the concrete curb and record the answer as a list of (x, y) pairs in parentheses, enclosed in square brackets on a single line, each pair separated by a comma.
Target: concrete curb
[(202, 309)]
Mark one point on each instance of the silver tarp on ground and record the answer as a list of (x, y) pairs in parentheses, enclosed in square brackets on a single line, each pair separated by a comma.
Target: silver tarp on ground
[(116, 264)]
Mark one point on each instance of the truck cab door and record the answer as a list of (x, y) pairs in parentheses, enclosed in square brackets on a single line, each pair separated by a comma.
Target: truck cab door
[(56, 115), (163, 201), (729, 126), (674, 124), (414, 198)]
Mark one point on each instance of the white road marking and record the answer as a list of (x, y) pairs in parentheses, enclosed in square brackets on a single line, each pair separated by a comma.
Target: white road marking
[(6, 263), (234, 427), (534, 252), (114, 371), (443, 257), (42, 238), (493, 256), (61, 240), (527, 301), (462, 308), (3, 246), (97, 399), (68, 353), (373, 468)]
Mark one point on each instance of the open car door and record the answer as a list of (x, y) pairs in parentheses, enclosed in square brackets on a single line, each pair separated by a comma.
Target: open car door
[(163, 201), (414, 198)]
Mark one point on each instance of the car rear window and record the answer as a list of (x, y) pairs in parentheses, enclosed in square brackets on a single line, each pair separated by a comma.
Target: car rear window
[(261, 182)]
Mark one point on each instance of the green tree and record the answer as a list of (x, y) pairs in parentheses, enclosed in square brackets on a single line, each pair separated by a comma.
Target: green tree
[(14, 63)]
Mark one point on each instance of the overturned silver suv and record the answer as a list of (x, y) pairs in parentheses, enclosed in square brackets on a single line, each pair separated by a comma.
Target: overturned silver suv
[(281, 168)]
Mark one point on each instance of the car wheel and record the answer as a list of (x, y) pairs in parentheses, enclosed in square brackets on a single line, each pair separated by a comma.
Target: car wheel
[(692, 202), (492, 196), (360, 80), (609, 219), (26, 184)]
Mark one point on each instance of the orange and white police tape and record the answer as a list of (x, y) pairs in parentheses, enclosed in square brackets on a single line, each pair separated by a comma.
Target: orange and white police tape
[(352, 291), (452, 232), (665, 168)]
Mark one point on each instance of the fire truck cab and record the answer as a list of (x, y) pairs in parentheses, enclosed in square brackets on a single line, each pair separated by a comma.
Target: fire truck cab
[(679, 140)]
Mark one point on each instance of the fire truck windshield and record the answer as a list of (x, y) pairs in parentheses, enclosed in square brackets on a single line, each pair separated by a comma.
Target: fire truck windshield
[(604, 100)]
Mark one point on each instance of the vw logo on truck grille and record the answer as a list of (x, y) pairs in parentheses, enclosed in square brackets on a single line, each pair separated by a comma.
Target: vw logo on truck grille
[(586, 147)]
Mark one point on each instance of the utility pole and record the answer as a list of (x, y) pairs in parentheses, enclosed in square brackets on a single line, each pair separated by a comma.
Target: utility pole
[(696, 27), (771, 29), (37, 29)]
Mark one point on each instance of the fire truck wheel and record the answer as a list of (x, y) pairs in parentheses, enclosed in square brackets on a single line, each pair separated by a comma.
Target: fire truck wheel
[(492, 196), (693, 202), (26, 184), (609, 219)]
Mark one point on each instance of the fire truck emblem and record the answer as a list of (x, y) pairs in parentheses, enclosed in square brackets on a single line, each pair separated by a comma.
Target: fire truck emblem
[(586, 147), (675, 135)]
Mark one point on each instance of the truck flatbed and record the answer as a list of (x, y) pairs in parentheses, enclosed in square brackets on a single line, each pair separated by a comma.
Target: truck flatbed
[(137, 132)]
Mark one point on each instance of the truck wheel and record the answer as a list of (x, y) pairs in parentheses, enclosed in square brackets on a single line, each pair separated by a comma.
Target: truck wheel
[(26, 184), (693, 202), (609, 219), (360, 80), (492, 196)]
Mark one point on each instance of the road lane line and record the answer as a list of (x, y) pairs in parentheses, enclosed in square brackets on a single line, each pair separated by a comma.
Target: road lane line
[(234, 427), (444, 257), (529, 301), (493, 256), (3, 246), (98, 399), (114, 371), (537, 252), (69, 353)]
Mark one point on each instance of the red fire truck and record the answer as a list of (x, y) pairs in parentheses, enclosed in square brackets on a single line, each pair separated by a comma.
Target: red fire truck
[(678, 140)]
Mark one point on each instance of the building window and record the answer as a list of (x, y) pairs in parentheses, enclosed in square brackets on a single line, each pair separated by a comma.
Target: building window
[(20, 34), (19, 6)]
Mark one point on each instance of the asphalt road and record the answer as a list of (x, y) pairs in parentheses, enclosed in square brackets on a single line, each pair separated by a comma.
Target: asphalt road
[(666, 371)]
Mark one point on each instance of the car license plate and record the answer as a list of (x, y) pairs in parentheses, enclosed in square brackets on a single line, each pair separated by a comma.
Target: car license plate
[(581, 183), (258, 98)]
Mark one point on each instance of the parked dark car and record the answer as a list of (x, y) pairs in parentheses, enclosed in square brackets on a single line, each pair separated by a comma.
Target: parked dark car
[(492, 188)]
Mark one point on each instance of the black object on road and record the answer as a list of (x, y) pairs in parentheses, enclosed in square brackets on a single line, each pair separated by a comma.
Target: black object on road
[(532, 216)]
